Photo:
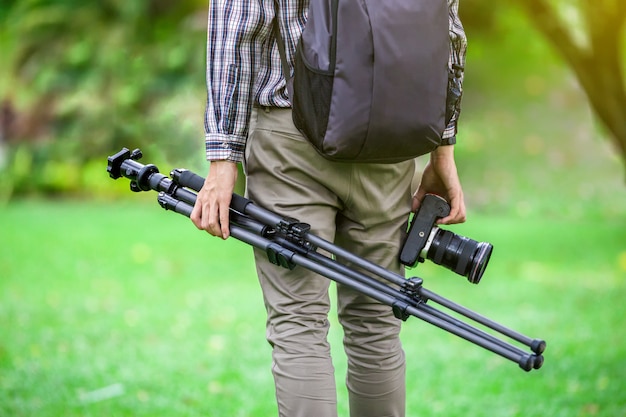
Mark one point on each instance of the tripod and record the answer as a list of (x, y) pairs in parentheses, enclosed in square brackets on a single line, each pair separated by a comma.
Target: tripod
[(290, 244)]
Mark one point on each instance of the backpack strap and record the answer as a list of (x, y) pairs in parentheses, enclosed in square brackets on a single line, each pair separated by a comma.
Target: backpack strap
[(282, 51)]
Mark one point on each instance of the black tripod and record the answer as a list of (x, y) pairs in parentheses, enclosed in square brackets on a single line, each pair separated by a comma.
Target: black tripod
[(289, 243)]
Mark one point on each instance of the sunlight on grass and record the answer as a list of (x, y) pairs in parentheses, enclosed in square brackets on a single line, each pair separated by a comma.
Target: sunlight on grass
[(117, 309)]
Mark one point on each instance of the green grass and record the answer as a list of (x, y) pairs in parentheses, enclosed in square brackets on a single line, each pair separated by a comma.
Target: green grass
[(97, 295), (123, 309), (118, 308)]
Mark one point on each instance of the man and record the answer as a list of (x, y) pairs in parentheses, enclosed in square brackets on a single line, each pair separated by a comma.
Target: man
[(361, 207)]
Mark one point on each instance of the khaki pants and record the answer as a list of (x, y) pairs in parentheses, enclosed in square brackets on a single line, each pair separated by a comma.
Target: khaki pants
[(361, 207)]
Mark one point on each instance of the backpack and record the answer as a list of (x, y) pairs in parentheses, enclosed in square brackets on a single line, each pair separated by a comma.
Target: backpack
[(370, 78)]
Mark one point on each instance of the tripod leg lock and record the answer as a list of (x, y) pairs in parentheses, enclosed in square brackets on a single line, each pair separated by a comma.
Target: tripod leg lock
[(295, 232), (280, 256), (412, 287), (399, 310)]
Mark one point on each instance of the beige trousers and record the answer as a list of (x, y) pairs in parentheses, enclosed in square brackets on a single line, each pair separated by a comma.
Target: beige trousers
[(361, 207)]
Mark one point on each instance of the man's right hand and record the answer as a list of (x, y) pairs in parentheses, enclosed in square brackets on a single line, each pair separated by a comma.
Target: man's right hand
[(440, 177), (212, 206)]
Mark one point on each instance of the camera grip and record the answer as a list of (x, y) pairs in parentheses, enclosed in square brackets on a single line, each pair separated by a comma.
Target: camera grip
[(432, 208)]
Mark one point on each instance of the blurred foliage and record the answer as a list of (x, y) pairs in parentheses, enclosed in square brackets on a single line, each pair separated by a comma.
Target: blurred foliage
[(84, 78), (81, 79)]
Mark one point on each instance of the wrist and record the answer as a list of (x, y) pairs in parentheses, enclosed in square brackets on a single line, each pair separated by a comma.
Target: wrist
[(447, 141), (223, 168), (445, 151), (223, 162)]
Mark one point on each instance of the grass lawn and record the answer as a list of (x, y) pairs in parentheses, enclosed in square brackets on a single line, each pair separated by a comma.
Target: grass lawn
[(123, 309)]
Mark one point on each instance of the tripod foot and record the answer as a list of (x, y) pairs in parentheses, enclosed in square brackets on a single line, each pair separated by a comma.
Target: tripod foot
[(538, 346), (530, 362)]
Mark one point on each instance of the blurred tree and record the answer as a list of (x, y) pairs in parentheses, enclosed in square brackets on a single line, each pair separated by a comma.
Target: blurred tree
[(589, 34), (479, 16)]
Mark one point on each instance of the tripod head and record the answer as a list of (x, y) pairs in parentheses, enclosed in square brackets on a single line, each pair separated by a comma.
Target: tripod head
[(123, 164)]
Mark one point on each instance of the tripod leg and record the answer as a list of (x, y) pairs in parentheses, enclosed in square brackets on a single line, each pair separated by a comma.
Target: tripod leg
[(253, 225), (536, 345)]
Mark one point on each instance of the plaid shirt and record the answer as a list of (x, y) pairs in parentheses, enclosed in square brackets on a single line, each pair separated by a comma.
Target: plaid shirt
[(244, 68)]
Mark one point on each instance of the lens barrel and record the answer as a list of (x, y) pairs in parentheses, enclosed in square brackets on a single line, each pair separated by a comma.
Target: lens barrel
[(460, 254)]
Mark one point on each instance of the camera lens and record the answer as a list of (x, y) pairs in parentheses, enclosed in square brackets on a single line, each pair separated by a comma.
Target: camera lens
[(460, 254)]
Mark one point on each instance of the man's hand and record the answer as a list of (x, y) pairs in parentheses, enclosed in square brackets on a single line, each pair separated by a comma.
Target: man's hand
[(211, 210), (440, 177)]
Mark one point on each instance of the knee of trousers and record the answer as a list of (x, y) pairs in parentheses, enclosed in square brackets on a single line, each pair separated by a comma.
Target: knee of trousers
[(373, 342), (297, 304), (298, 335)]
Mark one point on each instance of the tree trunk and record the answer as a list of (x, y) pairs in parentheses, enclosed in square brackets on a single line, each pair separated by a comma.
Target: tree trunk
[(598, 67)]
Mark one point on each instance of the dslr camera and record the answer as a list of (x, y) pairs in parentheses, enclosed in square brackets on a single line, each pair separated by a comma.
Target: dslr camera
[(425, 240)]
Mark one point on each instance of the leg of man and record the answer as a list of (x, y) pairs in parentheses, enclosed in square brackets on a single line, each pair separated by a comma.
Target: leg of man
[(372, 227), (281, 176), (287, 176)]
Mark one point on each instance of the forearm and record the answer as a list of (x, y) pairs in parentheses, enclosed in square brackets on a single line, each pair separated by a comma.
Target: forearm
[(232, 51), (443, 160), (440, 177)]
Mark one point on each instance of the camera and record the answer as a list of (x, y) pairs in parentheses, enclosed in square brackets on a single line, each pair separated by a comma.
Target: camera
[(425, 240)]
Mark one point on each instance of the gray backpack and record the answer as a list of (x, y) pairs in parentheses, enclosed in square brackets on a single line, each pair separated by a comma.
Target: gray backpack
[(370, 78)]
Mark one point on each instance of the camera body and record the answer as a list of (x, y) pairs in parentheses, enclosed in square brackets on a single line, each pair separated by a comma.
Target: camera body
[(425, 240)]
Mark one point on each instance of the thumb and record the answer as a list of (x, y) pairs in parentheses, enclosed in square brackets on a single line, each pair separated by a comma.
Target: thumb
[(417, 199)]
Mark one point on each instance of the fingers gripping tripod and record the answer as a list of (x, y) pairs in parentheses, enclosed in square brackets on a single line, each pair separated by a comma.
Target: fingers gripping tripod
[(289, 243)]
